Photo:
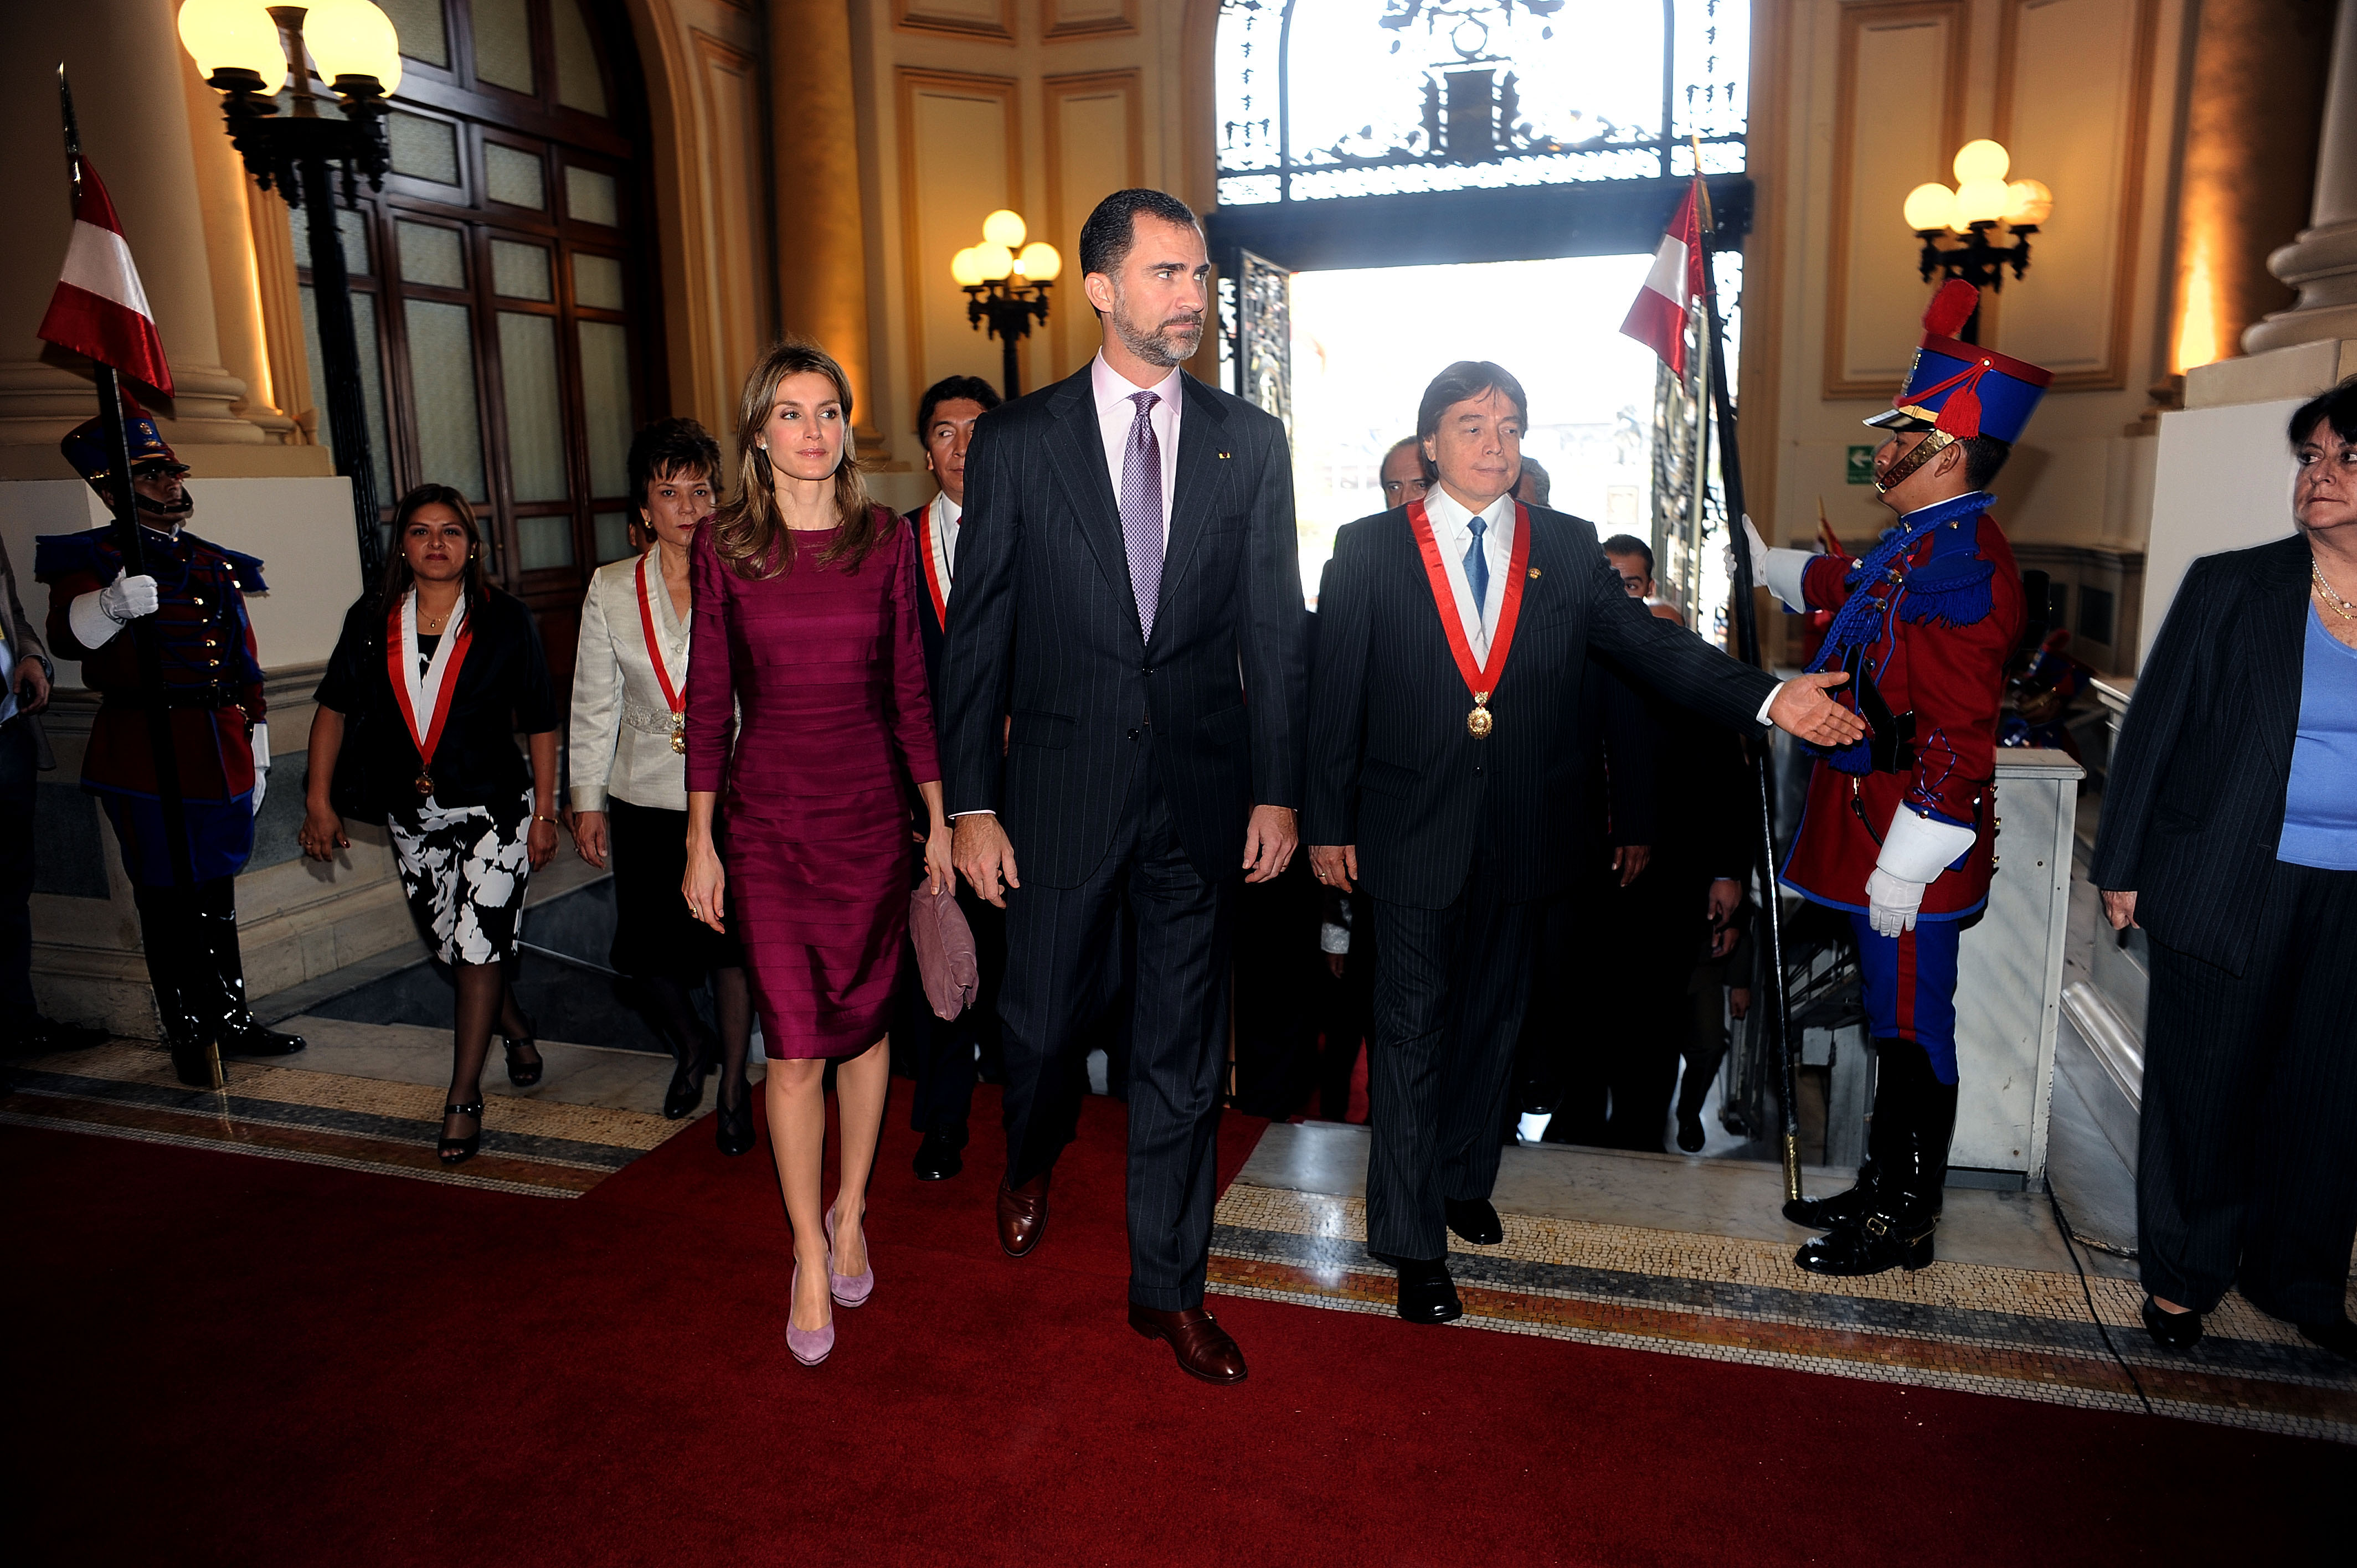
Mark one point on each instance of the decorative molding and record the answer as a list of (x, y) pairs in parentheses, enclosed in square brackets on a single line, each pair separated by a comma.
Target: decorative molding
[(1060, 21), (1859, 18), (1063, 226), (921, 271), (992, 21), (2131, 127)]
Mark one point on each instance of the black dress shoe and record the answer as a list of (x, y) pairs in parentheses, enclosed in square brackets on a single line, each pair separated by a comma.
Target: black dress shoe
[(38, 1036), (1895, 1236), (1474, 1220), (1427, 1294), (1690, 1136), (2339, 1336), (732, 1130), (686, 1089), (938, 1158), (2171, 1330), (253, 1040)]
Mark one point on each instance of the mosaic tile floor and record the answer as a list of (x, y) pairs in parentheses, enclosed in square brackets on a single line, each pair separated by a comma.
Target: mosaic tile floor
[(2023, 1333), (535, 1146)]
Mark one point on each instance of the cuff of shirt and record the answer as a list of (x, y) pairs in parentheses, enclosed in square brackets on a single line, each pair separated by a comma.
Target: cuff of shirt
[(1786, 568), (1762, 714)]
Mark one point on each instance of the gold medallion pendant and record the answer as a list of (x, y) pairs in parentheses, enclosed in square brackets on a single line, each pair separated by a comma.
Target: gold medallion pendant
[(425, 785), (679, 743), (1478, 723)]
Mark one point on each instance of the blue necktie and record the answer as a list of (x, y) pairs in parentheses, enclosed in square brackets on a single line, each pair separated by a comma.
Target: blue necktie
[(1477, 569)]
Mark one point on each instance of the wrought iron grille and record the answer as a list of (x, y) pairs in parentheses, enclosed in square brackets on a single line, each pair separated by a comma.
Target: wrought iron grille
[(1338, 98)]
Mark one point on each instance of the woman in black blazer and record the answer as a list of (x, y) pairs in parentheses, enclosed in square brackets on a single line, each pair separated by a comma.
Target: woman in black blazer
[(2229, 834)]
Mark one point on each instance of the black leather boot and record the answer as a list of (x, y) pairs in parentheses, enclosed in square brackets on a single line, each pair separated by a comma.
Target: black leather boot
[(1896, 1063), (174, 952), (1895, 1232), (222, 973)]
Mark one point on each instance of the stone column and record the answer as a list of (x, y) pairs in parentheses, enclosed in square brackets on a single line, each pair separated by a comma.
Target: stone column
[(2322, 261), (223, 190), (821, 236), (126, 66)]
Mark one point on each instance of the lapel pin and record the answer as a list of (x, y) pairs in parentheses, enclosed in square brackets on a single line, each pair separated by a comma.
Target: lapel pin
[(1535, 572), (1223, 457)]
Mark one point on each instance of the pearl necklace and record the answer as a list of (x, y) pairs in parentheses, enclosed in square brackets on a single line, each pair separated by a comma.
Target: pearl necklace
[(2340, 606)]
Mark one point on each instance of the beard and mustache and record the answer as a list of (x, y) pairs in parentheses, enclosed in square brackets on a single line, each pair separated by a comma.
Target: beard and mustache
[(1155, 345)]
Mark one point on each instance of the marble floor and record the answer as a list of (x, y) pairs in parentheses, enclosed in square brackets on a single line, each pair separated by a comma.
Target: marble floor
[(1691, 1257)]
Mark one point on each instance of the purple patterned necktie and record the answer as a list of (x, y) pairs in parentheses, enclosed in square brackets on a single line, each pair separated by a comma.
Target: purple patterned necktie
[(1141, 509)]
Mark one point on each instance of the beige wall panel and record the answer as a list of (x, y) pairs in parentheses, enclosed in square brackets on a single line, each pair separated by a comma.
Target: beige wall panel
[(1060, 20), (1899, 103), (992, 19), (1094, 136), (728, 105), (2073, 83), (960, 161)]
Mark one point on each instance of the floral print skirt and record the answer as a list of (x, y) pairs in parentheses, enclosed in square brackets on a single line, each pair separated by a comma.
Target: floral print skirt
[(464, 872)]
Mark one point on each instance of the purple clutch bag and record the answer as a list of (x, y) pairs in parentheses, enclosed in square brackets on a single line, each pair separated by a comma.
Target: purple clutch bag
[(946, 956)]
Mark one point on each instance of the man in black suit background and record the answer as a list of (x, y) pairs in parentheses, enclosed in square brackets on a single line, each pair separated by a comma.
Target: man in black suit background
[(1129, 591), (1454, 796), (943, 1054)]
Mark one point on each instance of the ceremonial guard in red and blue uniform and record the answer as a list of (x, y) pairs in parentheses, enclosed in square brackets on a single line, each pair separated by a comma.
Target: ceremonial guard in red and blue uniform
[(1900, 828), (193, 594)]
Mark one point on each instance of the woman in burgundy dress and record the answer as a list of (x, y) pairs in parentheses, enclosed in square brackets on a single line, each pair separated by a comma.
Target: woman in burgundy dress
[(805, 636)]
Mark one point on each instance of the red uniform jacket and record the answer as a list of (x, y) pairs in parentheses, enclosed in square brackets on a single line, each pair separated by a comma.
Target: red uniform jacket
[(210, 665), (1937, 642)]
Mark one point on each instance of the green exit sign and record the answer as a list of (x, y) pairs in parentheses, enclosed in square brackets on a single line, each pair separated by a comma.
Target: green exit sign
[(1860, 465)]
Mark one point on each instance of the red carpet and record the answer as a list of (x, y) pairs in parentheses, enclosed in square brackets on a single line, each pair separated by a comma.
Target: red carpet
[(224, 1359)]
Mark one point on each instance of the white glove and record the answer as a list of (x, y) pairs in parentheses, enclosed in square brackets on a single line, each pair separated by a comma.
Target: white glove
[(1915, 851), (261, 765), (127, 598), (1891, 902)]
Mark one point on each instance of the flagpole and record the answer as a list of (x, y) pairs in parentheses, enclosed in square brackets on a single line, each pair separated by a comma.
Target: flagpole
[(1747, 632)]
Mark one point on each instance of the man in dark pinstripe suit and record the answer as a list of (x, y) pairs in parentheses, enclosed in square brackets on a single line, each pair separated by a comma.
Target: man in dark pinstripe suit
[(1445, 769), (1129, 591)]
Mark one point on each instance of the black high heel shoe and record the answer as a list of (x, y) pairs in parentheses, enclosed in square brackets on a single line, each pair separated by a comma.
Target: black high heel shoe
[(524, 1075), (458, 1151), (2171, 1330), (733, 1129)]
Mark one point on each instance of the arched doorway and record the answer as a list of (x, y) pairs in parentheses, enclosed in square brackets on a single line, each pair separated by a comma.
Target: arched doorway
[(501, 282)]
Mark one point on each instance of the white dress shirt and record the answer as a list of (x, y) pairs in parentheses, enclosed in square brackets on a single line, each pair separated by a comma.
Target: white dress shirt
[(1116, 414), (941, 540), (1452, 529)]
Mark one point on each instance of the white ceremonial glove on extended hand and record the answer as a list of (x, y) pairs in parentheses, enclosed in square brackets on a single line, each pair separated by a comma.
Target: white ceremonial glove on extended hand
[(1914, 852), (261, 742)]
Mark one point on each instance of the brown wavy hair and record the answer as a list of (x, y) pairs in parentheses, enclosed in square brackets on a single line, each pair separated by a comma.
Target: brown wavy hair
[(750, 535), (476, 585)]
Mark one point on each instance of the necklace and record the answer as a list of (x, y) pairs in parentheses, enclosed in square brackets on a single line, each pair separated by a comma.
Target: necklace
[(2340, 606)]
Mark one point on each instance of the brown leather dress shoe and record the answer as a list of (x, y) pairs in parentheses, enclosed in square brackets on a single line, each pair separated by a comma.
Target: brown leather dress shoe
[(1022, 1215), (1195, 1336)]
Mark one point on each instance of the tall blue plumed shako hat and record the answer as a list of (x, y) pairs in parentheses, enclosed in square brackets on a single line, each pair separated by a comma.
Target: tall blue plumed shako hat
[(1961, 388), (85, 447)]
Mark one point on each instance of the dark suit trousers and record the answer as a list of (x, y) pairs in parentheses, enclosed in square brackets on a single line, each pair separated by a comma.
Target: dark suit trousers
[(1450, 997), (945, 1056), (1063, 952), (2246, 1160)]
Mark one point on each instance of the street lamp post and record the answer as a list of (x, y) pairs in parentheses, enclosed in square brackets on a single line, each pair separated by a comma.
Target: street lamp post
[(1957, 226), (247, 53), (1005, 283)]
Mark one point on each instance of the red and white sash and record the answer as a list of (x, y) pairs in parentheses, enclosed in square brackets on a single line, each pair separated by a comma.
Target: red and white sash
[(1480, 676), (428, 692)]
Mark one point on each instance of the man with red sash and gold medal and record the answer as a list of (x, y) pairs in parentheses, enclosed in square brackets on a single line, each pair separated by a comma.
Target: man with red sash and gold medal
[(1445, 765), (193, 594), (1899, 827)]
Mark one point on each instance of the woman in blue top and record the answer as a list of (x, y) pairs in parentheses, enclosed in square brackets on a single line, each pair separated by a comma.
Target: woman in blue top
[(2229, 834)]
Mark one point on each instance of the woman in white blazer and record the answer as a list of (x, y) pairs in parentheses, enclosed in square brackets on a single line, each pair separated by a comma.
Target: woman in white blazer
[(630, 776)]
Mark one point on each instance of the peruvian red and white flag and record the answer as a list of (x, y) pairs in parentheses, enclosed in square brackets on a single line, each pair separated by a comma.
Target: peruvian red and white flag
[(1658, 320), (99, 310)]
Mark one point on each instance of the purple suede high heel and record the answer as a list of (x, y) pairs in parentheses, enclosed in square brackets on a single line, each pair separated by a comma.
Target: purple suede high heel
[(810, 1346), (848, 1290)]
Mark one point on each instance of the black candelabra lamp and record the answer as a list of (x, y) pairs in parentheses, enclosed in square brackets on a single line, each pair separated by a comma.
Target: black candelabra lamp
[(247, 53), (1007, 283), (1958, 226)]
